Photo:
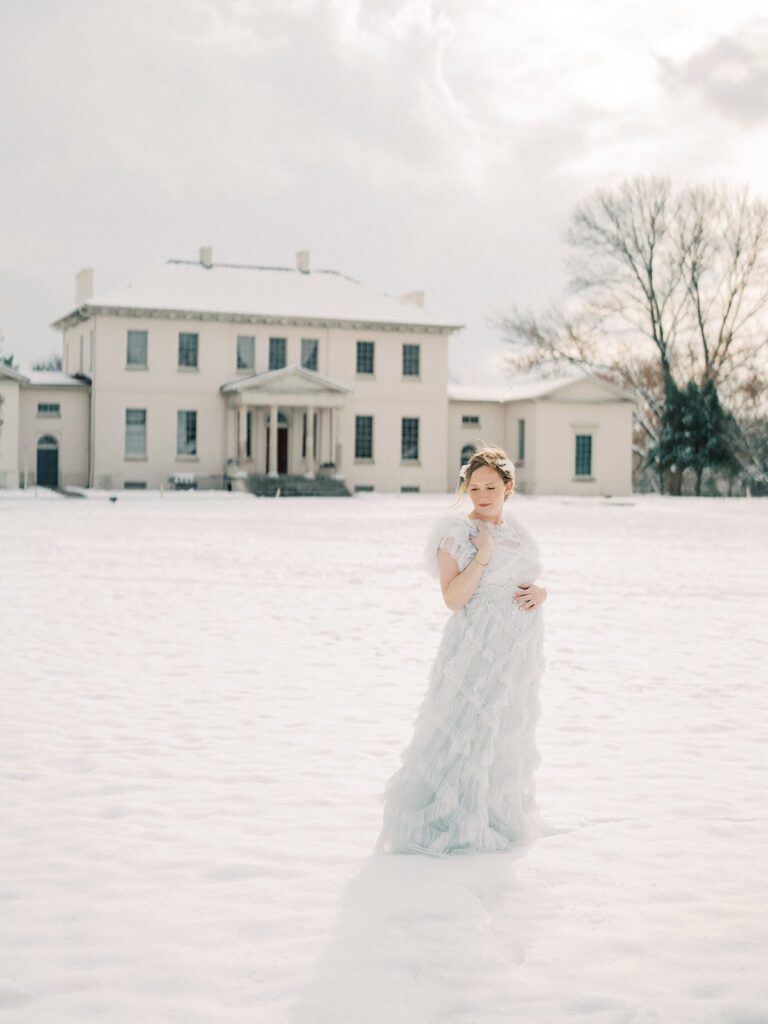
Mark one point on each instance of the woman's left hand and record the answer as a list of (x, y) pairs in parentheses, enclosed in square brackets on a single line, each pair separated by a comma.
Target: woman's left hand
[(529, 597)]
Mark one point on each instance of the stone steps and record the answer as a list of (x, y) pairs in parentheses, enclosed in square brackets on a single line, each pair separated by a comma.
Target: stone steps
[(297, 486)]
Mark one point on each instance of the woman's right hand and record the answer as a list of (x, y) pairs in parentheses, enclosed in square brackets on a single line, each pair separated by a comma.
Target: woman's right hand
[(483, 542)]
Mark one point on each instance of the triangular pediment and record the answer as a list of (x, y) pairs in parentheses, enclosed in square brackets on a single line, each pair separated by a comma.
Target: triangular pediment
[(289, 380)]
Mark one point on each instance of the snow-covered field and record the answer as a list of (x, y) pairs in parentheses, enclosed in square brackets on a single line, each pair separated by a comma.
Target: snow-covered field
[(202, 697)]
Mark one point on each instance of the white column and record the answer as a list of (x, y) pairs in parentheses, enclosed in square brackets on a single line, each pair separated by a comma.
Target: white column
[(338, 432), (272, 468), (310, 441)]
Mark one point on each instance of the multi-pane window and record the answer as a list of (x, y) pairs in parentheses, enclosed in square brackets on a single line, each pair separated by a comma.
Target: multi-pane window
[(277, 348), (309, 353), (246, 349), (521, 440), (136, 348), (363, 437), (409, 439), (365, 357), (188, 345), (470, 421), (48, 409), (583, 455), (135, 433), (411, 360), (186, 432)]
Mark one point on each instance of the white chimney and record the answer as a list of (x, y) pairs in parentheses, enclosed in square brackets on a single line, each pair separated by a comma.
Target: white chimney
[(83, 286), (414, 299), (302, 260), (206, 256)]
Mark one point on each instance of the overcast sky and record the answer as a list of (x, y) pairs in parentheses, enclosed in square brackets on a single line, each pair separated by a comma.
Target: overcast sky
[(410, 144)]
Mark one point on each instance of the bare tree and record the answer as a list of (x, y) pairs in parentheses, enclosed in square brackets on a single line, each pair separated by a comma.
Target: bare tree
[(723, 247), (665, 287), (623, 266), (51, 363), (6, 360)]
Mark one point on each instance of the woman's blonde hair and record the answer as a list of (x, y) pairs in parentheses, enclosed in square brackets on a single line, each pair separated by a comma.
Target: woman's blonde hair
[(491, 456)]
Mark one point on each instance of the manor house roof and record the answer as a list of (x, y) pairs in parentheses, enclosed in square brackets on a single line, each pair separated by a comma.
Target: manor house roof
[(226, 290)]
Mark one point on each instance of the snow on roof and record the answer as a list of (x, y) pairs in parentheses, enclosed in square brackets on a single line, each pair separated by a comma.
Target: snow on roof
[(275, 292), (53, 378), (518, 389), (42, 378), (10, 374), (475, 393)]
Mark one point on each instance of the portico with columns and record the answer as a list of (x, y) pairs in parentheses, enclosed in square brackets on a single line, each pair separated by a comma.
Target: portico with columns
[(286, 421)]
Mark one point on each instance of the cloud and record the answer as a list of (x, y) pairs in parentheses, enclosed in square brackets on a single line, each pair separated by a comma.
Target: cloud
[(433, 144), (729, 75)]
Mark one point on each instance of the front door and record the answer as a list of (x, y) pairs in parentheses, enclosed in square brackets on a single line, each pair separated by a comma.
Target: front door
[(47, 462), (282, 448)]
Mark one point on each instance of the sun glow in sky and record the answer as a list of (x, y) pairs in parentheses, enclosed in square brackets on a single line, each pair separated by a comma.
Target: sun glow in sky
[(408, 143)]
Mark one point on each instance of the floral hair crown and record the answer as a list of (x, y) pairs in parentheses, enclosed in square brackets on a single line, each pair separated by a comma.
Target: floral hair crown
[(507, 465)]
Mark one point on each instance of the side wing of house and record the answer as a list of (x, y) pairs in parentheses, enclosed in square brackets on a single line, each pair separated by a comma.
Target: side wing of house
[(44, 429), (471, 425), (581, 441), (54, 431), (564, 436), (10, 387)]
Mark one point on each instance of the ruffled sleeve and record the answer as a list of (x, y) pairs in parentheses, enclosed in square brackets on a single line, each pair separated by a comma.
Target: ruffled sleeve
[(451, 533)]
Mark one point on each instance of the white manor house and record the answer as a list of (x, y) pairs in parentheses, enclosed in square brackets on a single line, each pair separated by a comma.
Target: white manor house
[(200, 371)]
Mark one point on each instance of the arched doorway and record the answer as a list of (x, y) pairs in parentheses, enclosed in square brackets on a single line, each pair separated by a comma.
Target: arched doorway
[(47, 462), (282, 442)]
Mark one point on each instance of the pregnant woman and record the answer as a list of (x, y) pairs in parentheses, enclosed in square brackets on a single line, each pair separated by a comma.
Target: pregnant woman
[(466, 781)]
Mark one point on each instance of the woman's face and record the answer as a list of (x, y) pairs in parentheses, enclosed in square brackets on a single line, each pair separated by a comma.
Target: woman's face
[(487, 491)]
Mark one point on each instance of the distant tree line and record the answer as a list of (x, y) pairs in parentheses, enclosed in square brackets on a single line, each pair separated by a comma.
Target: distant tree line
[(668, 297), (51, 363), (5, 360)]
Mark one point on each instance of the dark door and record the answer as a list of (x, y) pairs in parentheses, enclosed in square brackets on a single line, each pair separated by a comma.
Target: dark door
[(282, 449), (47, 462)]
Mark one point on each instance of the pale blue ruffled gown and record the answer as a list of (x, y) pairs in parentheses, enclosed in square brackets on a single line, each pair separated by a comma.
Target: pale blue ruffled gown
[(466, 780)]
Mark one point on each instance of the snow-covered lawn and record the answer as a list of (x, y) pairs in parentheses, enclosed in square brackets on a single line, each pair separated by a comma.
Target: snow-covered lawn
[(203, 696)]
